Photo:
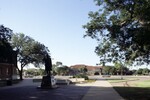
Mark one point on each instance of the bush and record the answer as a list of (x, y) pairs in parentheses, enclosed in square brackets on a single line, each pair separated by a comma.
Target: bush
[(96, 73), (81, 76)]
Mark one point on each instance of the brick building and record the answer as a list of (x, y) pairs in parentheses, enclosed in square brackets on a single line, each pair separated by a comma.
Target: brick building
[(91, 70), (8, 67), (7, 71)]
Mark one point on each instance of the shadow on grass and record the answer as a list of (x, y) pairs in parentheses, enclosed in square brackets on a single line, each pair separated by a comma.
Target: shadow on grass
[(134, 93)]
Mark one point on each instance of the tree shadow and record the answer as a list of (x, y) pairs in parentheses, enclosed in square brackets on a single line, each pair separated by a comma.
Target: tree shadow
[(134, 93), (73, 92), (64, 92)]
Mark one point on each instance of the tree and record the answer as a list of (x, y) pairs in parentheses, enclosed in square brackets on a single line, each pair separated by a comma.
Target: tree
[(34, 72), (121, 27), (58, 63), (139, 71), (64, 70), (109, 70), (112, 70), (38, 53), (29, 51), (145, 71), (83, 69), (5, 47), (41, 71), (55, 67), (60, 69)]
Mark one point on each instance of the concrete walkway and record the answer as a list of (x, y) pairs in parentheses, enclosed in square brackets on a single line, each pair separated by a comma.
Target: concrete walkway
[(99, 90), (102, 90), (25, 82)]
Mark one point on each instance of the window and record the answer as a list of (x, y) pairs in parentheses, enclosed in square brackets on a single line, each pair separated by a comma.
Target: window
[(7, 71)]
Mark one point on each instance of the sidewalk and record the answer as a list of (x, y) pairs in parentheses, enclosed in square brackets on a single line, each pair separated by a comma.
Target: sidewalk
[(102, 90), (99, 90), (25, 82)]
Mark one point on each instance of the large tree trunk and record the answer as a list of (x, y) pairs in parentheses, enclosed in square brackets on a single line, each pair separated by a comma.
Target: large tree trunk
[(20, 72)]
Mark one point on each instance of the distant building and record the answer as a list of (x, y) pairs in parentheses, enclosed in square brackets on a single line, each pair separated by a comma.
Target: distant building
[(91, 70)]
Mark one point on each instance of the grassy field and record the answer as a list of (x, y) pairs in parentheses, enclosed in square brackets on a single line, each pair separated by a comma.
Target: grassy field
[(143, 84), (121, 80), (132, 89)]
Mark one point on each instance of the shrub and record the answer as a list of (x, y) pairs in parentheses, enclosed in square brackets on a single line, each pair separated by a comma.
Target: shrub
[(81, 76), (96, 73)]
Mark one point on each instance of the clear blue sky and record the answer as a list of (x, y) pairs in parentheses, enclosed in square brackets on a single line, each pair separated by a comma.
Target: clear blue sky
[(55, 23)]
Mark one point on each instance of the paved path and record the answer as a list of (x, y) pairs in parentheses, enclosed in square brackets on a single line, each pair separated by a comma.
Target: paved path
[(26, 90), (102, 90), (23, 83)]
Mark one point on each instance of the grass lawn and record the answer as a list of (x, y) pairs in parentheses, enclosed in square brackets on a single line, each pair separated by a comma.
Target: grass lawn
[(143, 84), (89, 81), (116, 80), (141, 90), (120, 80)]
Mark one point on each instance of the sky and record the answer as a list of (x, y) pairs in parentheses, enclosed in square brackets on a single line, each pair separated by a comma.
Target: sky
[(55, 23)]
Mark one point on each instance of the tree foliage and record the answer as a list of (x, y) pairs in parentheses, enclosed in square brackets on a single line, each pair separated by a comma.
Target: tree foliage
[(122, 28), (64, 70), (22, 47), (142, 71), (60, 69), (5, 47), (29, 51), (34, 72), (83, 69)]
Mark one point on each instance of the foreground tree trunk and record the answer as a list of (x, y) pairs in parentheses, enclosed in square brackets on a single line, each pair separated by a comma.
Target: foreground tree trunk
[(20, 72)]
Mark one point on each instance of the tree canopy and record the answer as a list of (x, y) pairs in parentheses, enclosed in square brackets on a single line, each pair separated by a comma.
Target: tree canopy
[(122, 28), (5, 48), (20, 48), (29, 50)]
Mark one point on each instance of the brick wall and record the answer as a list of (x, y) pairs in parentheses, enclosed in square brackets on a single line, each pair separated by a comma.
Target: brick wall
[(7, 71)]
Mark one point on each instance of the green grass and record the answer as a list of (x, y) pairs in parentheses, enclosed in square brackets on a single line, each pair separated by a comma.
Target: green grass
[(141, 91), (89, 81), (143, 84), (121, 80)]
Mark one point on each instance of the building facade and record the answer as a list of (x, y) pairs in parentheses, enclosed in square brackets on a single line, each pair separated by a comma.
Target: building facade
[(8, 68), (91, 70), (7, 71)]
